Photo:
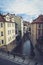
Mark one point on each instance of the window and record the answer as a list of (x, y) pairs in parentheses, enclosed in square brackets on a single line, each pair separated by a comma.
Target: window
[(16, 31), (12, 31), (1, 24), (2, 41), (9, 32), (9, 38), (1, 33), (39, 25), (7, 18), (13, 36), (13, 24), (9, 24), (29, 29)]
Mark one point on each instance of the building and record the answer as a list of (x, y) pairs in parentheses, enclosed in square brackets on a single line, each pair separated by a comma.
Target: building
[(26, 27), (37, 31), (7, 32), (11, 17), (19, 21)]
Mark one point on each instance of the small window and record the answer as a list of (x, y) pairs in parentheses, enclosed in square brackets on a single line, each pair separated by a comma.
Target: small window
[(2, 41), (16, 31), (8, 32), (12, 31), (9, 38), (29, 29), (13, 36), (9, 24), (1, 24), (1, 33), (13, 24)]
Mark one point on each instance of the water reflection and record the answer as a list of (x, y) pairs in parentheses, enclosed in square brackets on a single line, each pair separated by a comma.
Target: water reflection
[(26, 48)]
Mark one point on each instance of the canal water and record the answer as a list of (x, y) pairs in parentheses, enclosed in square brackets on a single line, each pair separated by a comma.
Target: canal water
[(24, 48)]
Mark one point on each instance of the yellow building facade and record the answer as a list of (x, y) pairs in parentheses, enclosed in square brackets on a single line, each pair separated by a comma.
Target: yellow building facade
[(19, 21), (7, 30), (1, 33), (36, 30)]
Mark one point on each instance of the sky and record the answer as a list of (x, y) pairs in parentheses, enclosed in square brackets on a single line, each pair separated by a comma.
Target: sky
[(28, 9)]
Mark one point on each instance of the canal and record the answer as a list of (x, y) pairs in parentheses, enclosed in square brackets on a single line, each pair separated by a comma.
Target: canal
[(24, 48)]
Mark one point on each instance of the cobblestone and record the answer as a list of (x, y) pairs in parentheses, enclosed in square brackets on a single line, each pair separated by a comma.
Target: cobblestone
[(19, 60)]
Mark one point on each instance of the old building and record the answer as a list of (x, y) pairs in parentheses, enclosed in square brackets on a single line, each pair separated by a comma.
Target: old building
[(26, 27), (19, 21), (7, 32), (37, 31)]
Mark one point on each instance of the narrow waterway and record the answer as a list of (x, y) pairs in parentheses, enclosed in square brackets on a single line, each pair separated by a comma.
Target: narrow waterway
[(24, 48)]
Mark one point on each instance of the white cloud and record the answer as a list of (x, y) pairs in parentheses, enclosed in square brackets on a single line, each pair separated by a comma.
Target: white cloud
[(30, 7), (24, 6)]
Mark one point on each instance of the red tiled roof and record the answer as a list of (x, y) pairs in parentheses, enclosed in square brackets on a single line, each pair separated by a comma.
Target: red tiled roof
[(25, 22), (38, 20), (2, 18)]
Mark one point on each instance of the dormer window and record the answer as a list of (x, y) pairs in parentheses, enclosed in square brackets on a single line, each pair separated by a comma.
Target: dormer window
[(7, 18)]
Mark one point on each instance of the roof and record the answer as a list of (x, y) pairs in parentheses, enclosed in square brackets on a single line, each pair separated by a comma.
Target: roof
[(38, 20), (26, 23), (2, 18)]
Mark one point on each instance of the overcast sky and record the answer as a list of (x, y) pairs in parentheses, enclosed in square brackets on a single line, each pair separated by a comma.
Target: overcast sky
[(28, 9)]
